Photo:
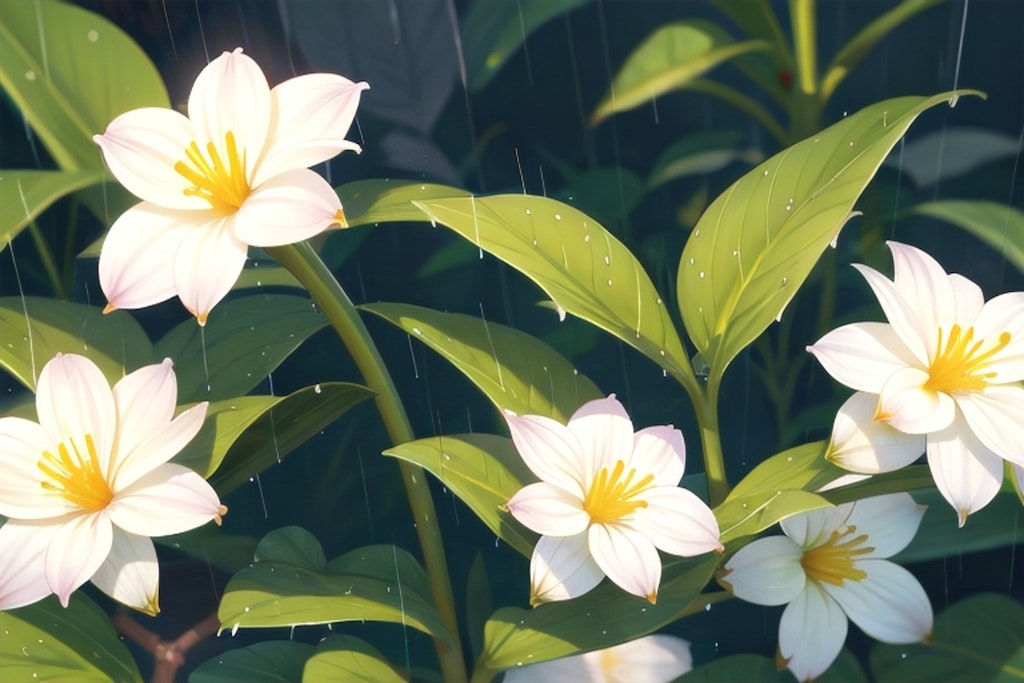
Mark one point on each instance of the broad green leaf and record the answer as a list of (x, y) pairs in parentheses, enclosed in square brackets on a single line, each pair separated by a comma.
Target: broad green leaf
[(294, 545), (668, 59), (699, 155), (493, 31), (980, 638), (347, 658), (273, 661), (758, 20), (909, 478), (603, 617), (26, 194), (483, 470), (802, 467), (756, 244), (211, 544), (579, 264), (996, 525), (77, 644), (244, 340), (752, 514), (34, 330), (857, 47), (515, 370), (952, 152), (70, 72), (747, 668), (999, 225), (368, 202)]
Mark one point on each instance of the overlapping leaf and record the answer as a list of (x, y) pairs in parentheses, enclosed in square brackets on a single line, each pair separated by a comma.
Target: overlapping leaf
[(367, 202), (347, 658), (998, 225), (26, 194)]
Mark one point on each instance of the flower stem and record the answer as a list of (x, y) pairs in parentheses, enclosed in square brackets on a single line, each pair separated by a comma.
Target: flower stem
[(305, 264)]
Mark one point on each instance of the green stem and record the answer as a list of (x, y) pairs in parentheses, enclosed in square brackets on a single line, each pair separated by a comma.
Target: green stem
[(744, 103), (47, 258), (711, 444), (805, 108), (305, 264)]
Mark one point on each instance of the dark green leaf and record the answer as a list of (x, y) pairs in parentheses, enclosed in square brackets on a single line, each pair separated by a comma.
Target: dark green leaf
[(274, 661), (999, 225), (293, 545), (746, 668), (26, 194)]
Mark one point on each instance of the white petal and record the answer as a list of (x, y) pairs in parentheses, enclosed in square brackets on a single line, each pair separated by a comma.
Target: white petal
[(548, 510), (604, 432), (1003, 314), (861, 443), (206, 266), (22, 444), (890, 522), (627, 558), (23, 548), (145, 401), (766, 571), (130, 573), (659, 451), (889, 605), (289, 208), (812, 631), (653, 659), (967, 302), (169, 500), (1018, 481), (312, 115), (160, 445), (908, 406), (900, 314), (862, 355), (967, 474), (582, 668), (926, 287), (141, 148), (73, 399), (811, 529), (995, 417), (677, 522), (137, 260), (562, 568), (78, 548), (550, 450)]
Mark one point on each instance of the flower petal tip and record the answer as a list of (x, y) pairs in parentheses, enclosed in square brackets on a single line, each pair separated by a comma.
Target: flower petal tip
[(109, 308), (652, 598)]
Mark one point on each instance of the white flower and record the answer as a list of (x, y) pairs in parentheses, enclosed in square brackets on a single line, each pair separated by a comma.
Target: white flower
[(830, 566), (943, 376), (86, 487), (233, 173), (652, 659), (607, 500)]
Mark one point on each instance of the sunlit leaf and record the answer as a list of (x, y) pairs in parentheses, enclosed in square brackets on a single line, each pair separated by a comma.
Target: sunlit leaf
[(26, 194), (668, 59), (34, 330), (347, 658), (579, 264), (754, 513), (70, 72), (999, 225), (755, 245), (802, 467), (515, 370), (273, 661), (77, 644), (483, 470), (367, 202)]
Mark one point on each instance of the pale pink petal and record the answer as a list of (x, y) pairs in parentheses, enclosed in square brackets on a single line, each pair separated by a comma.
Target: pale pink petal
[(766, 571), (312, 115), (206, 266), (141, 148), (900, 314), (161, 444), (136, 265), (811, 529), (812, 631), (23, 548), (996, 416), (890, 522), (145, 401), (73, 399), (967, 474), (604, 432), (562, 568), (677, 522), (550, 450), (583, 668), (926, 287), (130, 573), (548, 510), (627, 558), (968, 300), (78, 548), (862, 355), (22, 496), (1003, 314), (659, 451), (861, 443), (889, 605), (288, 208), (908, 406), (658, 658), (169, 500)]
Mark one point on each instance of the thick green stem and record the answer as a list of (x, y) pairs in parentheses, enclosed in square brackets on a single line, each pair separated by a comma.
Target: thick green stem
[(711, 444), (805, 108), (305, 264)]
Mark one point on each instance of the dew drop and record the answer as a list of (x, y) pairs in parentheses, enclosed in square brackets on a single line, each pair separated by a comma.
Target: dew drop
[(607, 260), (558, 216), (247, 609), (234, 630), (691, 260), (660, 302), (318, 389), (766, 173), (586, 238), (609, 283), (417, 331), (93, 36), (707, 607), (529, 213), (30, 75), (701, 275), (785, 281), (696, 233)]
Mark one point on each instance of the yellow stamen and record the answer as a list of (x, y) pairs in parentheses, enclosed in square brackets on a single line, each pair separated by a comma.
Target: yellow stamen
[(221, 511), (612, 496), (834, 560), (959, 361), (224, 186), (79, 479)]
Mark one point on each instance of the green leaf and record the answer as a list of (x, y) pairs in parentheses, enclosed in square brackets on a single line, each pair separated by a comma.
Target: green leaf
[(752, 514), (994, 526), (857, 47), (980, 638), (603, 617), (244, 340), (478, 603), (294, 545), (211, 544), (368, 202), (483, 470), (70, 72), (999, 225), (385, 562), (668, 59), (579, 264), (26, 194), (756, 244), (758, 20), (515, 370), (347, 658), (34, 330), (699, 155), (273, 661), (748, 668), (47, 642)]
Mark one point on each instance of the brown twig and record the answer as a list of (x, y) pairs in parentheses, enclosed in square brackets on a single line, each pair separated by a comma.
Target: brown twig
[(168, 655)]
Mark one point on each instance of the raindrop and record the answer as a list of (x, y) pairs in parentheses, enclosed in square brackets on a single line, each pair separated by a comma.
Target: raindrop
[(247, 609), (701, 275), (417, 331), (93, 36), (609, 283), (558, 216), (696, 233), (586, 238), (707, 607), (234, 630), (529, 213), (691, 260), (607, 260), (660, 302), (766, 173), (30, 75), (785, 281)]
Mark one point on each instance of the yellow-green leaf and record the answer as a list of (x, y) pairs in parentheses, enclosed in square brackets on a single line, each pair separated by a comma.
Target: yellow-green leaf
[(26, 194), (367, 202)]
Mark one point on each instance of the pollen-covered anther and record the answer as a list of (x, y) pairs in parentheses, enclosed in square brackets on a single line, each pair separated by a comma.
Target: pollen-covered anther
[(223, 185), (77, 478), (834, 561), (612, 496), (960, 361)]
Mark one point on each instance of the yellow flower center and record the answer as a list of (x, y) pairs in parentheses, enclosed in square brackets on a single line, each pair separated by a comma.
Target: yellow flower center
[(223, 185), (959, 360), (612, 496), (834, 560), (77, 478)]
